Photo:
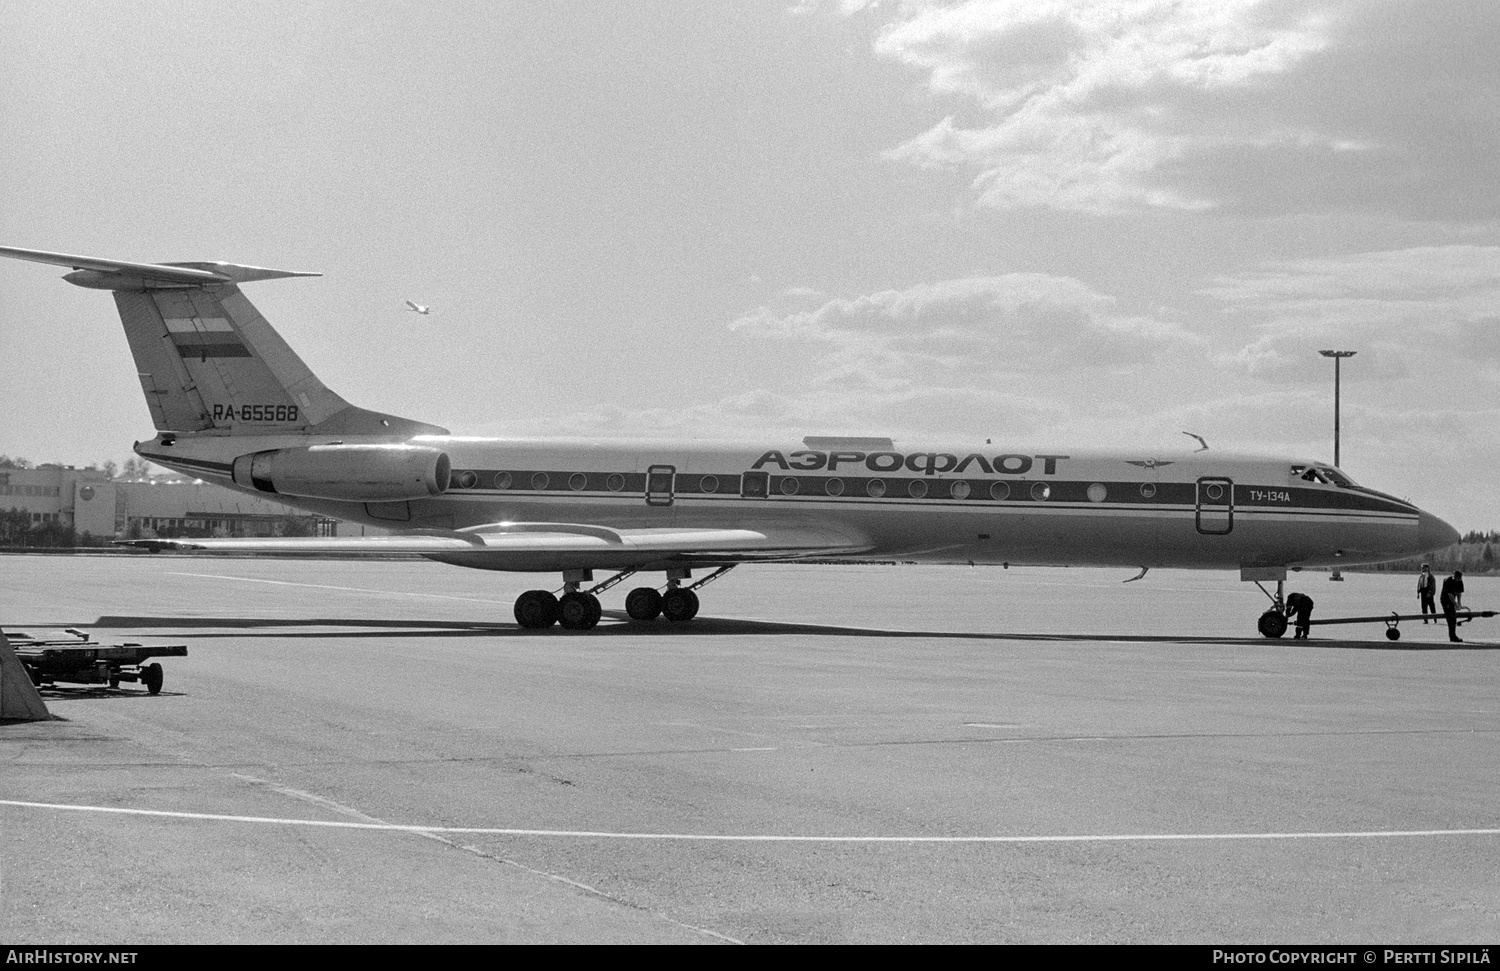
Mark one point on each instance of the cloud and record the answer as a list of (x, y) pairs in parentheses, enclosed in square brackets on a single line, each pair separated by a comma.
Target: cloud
[(1082, 102), (1046, 358), (1449, 273), (1261, 106), (1050, 361), (1420, 312), (1016, 323), (1421, 395), (1016, 356)]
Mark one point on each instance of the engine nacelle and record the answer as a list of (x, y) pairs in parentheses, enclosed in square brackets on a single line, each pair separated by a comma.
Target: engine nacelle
[(354, 473)]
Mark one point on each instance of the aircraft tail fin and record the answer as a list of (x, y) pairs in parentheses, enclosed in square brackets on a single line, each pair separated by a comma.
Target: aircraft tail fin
[(206, 357)]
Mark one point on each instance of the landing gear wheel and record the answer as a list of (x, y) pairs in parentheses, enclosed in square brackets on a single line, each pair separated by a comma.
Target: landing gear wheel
[(643, 603), (151, 677), (1271, 624), (1392, 634), (536, 609), (679, 605), (578, 611)]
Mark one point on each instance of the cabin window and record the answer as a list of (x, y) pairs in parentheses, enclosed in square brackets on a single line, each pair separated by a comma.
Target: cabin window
[(1214, 491), (789, 486), (1041, 491), (959, 490), (917, 488), (1000, 491), (876, 488), (578, 481), (468, 479), (835, 487), (539, 481), (753, 485), (1147, 490), (615, 482), (709, 483), (502, 480), (1098, 492)]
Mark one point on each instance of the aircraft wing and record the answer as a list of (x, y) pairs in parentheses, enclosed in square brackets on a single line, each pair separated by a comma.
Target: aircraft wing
[(546, 546)]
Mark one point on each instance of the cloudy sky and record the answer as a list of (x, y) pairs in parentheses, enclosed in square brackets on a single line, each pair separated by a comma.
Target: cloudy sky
[(1061, 223)]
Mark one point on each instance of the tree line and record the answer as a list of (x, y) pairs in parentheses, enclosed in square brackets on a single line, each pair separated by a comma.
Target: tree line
[(18, 530), (1476, 552), (134, 468)]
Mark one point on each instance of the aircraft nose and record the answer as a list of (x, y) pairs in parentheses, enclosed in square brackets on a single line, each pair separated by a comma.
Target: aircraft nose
[(1433, 533)]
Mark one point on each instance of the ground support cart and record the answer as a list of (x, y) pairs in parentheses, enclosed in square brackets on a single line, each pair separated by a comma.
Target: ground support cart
[(85, 661)]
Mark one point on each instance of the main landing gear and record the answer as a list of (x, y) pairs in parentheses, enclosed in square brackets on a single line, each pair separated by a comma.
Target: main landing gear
[(580, 609)]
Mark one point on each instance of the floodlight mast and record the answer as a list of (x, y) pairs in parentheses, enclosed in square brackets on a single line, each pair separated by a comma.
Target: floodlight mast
[(1338, 357)]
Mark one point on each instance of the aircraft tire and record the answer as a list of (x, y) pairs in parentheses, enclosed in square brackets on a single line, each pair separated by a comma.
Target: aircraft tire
[(1392, 634), (536, 609), (1271, 624), (643, 603), (679, 605), (152, 677), (578, 611)]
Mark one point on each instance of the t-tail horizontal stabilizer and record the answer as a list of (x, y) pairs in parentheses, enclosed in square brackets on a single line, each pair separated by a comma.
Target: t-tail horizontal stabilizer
[(100, 274)]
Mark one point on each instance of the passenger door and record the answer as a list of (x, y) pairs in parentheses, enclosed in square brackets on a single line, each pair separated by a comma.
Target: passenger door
[(660, 480), (1215, 505)]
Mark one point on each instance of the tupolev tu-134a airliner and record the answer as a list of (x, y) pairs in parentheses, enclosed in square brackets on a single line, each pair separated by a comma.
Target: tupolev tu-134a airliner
[(234, 405)]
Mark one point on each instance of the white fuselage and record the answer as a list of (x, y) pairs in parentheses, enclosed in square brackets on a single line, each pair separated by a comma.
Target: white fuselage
[(931, 504)]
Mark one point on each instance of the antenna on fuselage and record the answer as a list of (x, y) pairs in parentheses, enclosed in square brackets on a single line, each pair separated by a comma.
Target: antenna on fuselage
[(1200, 441)]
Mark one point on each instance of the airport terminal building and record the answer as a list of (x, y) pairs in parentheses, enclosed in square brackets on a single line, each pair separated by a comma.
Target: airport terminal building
[(99, 508)]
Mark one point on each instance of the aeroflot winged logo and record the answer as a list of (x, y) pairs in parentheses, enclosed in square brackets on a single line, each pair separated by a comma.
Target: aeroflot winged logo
[(927, 463)]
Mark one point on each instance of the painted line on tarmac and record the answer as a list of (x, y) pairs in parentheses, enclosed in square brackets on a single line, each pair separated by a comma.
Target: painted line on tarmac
[(325, 586), (754, 838)]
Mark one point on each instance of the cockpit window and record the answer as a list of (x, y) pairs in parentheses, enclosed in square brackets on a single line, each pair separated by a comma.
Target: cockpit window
[(1336, 477), (1323, 475)]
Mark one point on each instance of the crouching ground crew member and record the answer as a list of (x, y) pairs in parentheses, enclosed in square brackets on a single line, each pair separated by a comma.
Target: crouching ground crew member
[(1301, 605), (1452, 599)]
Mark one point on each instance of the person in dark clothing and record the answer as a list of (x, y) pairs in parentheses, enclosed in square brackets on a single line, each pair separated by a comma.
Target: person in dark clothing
[(1301, 605), (1426, 591), (1452, 598)]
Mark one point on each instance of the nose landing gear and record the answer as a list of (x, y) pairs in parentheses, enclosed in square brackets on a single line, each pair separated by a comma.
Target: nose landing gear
[(1273, 623)]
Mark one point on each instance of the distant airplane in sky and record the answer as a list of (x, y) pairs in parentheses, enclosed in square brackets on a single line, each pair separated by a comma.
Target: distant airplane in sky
[(233, 404), (418, 308)]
